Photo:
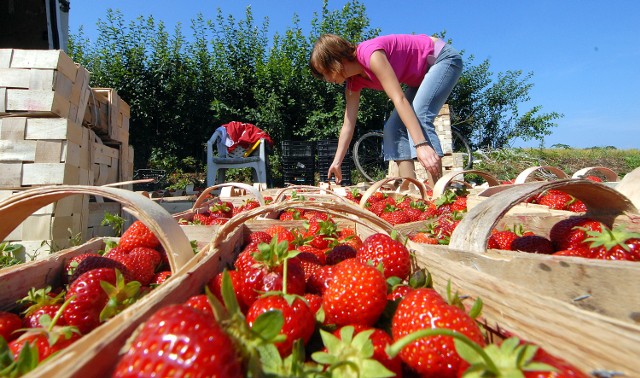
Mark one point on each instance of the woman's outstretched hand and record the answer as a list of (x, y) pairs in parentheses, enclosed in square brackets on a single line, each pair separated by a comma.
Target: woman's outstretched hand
[(335, 170), (430, 160)]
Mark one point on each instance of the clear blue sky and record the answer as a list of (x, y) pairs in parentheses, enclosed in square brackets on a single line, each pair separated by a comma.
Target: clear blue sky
[(584, 54)]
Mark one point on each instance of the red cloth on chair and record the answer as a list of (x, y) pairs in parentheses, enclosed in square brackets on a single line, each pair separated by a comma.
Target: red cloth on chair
[(245, 134)]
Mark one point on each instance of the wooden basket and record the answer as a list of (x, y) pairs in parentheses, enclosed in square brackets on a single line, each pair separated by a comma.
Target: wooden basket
[(588, 284), (97, 354), (450, 178), (16, 281), (203, 234)]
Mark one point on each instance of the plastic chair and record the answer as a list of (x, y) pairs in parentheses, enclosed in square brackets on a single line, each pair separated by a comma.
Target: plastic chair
[(218, 163)]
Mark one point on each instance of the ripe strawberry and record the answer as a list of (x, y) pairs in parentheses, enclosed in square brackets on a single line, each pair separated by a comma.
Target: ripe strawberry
[(423, 238), (259, 237), (266, 274), (202, 218), (90, 303), (179, 341), (339, 253), (394, 215), (160, 277), (72, 264), (356, 294), (290, 214), (45, 341), (555, 199), (299, 320), (222, 209), (380, 340), (433, 356), (137, 235), (140, 262), (319, 279), (96, 262), (9, 324), (532, 244), (614, 244), (501, 240), (201, 303), (380, 248), (577, 206), (570, 233), (282, 233)]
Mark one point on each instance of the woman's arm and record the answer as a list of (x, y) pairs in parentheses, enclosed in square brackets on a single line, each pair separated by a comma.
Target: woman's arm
[(346, 133), (384, 72)]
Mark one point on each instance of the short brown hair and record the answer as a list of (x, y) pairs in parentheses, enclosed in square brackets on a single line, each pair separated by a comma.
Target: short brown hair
[(328, 53)]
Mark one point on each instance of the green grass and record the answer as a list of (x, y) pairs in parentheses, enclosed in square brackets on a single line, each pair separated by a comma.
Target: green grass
[(508, 163)]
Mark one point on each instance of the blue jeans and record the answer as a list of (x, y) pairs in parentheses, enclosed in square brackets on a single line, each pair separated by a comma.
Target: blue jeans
[(427, 100)]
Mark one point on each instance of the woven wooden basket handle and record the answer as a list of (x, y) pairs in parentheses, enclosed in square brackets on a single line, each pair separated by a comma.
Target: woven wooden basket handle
[(609, 174), (282, 193), (203, 197), (15, 209), (338, 209), (448, 178), (379, 184), (526, 175), (603, 202)]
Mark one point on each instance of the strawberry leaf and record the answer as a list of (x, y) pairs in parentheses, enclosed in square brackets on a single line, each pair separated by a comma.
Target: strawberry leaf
[(268, 325)]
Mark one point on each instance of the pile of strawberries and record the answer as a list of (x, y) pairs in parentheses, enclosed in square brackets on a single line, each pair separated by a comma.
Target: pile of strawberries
[(320, 302), (579, 236), (218, 212), (94, 288)]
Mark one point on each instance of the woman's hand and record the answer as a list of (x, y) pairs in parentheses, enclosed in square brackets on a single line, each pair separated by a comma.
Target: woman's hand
[(335, 170), (430, 160)]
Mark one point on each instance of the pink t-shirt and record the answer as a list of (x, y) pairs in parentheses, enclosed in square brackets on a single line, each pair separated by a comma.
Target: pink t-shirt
[(406, 53)]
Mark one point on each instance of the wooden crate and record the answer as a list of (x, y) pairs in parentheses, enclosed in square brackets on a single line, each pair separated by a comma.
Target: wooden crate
[(43, 82), (108, 115), (43, 151), (588, 340), (105, 161)]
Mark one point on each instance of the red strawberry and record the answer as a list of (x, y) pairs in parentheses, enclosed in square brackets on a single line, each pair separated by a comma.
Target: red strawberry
[(90, 303), (423, 238), (501, 240), (380, 340), (96, 262), (282, 233), (356, 294), (339, 253), (266, 274), (140, 262), (9, 323), (532, 244), (395, 216), (570, 233), (314, 301), (614, 244), (201, 303), (160, 277), (299, 320), (44, 341), (319, 279), (179, 341), (138, 235), (555, 199), (72, 264), (380, 248), (223, 209), (319, 253), (259, 237), (433, 356)]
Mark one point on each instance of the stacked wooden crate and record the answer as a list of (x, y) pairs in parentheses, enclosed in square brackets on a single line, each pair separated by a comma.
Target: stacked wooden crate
[(450, 161), (43, 103)]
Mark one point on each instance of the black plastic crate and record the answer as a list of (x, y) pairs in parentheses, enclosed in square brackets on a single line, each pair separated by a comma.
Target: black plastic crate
[(326, 152), (292, 148), (298, 170)]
